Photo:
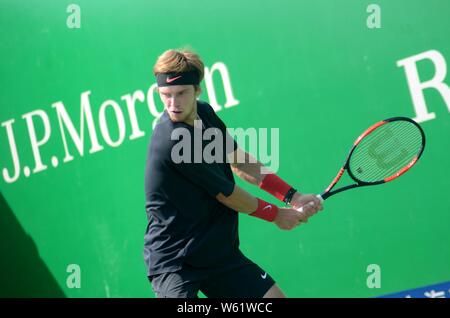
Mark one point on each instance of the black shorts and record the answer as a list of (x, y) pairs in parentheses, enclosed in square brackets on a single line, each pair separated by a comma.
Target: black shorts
[(245, 281)]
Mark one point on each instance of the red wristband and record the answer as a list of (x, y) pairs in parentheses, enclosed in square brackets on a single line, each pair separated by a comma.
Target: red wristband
[(275, 186), (265, 211)]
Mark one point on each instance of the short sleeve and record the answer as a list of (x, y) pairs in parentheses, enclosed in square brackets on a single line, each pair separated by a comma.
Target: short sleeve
[(233, 146), (208, 176)]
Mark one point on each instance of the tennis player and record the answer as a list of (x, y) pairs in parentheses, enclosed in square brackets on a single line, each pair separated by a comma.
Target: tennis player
[(191, 241)]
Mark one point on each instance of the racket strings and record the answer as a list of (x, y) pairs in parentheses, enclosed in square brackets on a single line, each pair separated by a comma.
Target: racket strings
[(388, 158), (394, 143), (385, 151), (384, 154)]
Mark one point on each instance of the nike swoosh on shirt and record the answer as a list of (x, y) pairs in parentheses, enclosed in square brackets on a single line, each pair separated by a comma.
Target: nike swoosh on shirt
[(170, 80), (267, 206), (263, 276)]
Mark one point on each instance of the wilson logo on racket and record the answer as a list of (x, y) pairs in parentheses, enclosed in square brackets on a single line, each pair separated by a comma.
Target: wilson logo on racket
[(381, 154)]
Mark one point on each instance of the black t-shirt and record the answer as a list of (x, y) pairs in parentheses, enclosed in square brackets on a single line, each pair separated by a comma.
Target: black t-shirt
[(186, 223)]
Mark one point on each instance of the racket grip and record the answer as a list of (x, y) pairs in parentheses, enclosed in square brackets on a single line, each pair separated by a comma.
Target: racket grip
[(320, 198)]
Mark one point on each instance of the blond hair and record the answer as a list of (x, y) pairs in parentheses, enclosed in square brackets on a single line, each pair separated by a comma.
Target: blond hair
[(177, 61)]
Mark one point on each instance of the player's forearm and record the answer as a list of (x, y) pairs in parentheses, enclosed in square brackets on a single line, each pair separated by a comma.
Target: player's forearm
[(240, 200), (248, 168), (249, 172)]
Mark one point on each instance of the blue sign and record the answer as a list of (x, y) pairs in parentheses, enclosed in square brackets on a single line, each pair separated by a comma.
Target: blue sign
[(441, 290)]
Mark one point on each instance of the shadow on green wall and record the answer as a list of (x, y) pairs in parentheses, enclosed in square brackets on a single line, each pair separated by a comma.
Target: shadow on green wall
[(22, 271)]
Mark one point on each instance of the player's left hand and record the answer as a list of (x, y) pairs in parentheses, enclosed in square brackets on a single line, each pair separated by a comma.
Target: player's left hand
[(311, 202)]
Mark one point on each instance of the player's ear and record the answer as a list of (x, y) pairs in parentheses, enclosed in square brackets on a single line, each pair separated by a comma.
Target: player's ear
[(198, 90)]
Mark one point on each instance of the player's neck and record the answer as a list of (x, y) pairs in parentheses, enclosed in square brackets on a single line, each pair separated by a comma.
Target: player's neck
[(192, 117)]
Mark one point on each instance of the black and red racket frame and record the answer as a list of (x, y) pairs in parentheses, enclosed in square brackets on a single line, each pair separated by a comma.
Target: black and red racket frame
[(359, 183)]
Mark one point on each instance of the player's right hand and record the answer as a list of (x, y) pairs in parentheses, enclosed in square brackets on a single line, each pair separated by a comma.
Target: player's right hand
[(289, 218)]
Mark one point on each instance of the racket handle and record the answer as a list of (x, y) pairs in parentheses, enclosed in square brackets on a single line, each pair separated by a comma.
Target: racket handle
[(320, 198)]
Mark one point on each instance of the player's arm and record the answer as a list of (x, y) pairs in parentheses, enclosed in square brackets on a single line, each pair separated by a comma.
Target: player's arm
[(285, 218), (245, 166), (239, 200)]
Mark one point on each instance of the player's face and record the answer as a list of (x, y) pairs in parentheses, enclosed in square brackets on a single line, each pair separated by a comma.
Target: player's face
[(180, 102)]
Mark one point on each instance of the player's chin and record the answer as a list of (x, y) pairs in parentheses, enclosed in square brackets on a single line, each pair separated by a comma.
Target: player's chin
[(176, 117)]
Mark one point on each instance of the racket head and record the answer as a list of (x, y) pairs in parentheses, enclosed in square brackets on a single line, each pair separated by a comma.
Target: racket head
[(385, 151)]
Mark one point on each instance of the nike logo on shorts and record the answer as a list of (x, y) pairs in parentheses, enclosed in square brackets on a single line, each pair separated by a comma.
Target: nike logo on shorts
[(263, 276)]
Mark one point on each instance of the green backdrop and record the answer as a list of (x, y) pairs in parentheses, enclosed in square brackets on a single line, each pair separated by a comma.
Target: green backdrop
[(314, 69)]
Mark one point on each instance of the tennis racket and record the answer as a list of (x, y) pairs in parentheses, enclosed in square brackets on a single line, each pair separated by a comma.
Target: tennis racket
[(382, 153)]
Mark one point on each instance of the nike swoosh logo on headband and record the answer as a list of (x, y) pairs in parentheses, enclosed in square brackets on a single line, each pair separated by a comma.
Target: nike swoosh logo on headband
[(170, 80)]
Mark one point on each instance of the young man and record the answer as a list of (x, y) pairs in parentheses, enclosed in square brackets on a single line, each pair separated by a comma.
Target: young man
[(191, 241)]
